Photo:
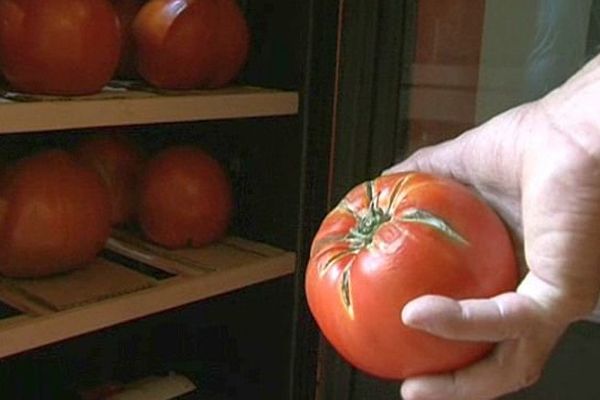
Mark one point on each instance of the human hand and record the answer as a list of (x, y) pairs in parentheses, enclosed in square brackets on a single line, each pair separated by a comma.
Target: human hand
[(538, 165)]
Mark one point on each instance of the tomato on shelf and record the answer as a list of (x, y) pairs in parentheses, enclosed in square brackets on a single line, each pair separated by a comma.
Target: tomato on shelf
[(54, 215), (126, 11), (119, 162), (58, 47), (185, 198), (392, 240), (186, 44)]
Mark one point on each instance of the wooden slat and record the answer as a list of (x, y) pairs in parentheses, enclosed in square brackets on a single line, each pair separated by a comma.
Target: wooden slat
[(20, 113), (228, 253), (28, 332), (97, 281)]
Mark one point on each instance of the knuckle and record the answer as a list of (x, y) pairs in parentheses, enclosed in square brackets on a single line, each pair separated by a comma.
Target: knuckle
[(518, 315)]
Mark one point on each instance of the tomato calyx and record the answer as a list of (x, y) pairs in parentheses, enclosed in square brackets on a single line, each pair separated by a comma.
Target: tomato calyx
[(362, 235)]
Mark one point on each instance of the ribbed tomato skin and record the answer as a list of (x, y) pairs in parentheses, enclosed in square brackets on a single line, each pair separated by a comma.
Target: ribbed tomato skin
[(431, 236)]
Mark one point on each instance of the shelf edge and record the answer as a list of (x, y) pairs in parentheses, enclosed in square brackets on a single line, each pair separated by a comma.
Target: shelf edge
[(32, 333), (61, 115)]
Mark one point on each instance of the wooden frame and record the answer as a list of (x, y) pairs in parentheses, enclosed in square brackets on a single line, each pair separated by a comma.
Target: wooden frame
[(369, 128), (294, 49)]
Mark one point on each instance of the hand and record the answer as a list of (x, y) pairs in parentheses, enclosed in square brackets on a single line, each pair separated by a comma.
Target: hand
[(538, 165)]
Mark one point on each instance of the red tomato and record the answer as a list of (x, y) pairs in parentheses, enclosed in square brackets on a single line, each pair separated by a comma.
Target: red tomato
[(232, 44), (394, 239), (119, 162), (58, 47), (127, 10), (185, 198), (55, 215), (184, 44)]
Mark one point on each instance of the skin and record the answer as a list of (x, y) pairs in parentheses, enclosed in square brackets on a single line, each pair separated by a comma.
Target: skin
[(538, 165)]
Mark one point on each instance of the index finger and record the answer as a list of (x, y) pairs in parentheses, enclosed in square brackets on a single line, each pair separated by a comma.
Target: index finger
[(444, 159)]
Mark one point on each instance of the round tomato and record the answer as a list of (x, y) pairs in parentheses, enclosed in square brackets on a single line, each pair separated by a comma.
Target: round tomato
[(55, 215), (389, 241), (119, 162), (184, 44), (185, 198), (58, 47), (127, 10)]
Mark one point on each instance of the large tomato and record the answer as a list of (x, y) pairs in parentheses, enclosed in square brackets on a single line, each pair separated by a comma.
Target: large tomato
[(59, 47), (389, 241), (184, 44), (119, 162), (185, 198), (55, 215)]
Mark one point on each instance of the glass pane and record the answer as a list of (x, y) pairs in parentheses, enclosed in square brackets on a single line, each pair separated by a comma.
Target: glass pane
[(473, 59)]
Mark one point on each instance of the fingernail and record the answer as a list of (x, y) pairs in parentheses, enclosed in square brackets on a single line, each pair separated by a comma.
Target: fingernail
[(426, 388), (410, 316)]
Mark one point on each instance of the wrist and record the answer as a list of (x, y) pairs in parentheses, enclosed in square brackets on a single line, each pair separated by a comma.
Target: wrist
[(573, 108)]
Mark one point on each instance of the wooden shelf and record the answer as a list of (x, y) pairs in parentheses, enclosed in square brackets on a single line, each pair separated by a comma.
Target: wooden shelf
[(126, 104), (131, 279)]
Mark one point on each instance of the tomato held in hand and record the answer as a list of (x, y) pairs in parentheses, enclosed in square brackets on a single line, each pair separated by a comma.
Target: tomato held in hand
[(58, 47), (394, 239), (185, 198), (185, 44), (119, 162), (54, 215)]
